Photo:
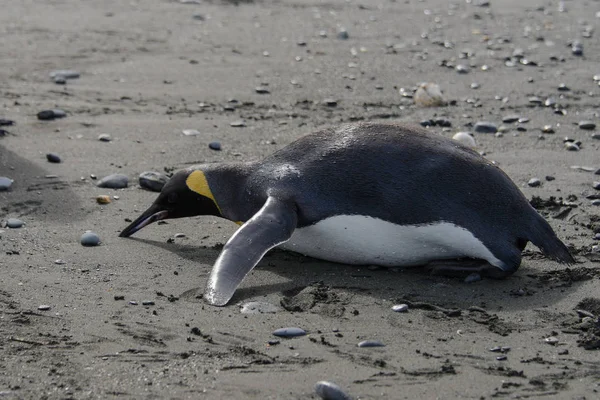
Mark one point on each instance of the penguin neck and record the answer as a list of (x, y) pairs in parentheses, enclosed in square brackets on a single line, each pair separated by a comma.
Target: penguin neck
[(228, 185)]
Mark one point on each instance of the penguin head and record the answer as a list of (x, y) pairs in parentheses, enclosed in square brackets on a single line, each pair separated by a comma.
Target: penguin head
[(186, 194)]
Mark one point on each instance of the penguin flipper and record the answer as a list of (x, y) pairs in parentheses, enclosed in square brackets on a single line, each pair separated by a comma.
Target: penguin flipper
[(269, 227)]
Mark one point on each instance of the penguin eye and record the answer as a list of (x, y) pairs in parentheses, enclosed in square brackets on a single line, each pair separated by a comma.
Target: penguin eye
[(172, 198)]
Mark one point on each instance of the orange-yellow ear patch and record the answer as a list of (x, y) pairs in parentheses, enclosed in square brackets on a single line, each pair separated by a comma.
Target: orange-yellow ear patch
[(197, 182)]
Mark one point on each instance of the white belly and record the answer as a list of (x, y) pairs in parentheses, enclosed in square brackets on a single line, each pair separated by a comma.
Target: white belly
[(355, 239)]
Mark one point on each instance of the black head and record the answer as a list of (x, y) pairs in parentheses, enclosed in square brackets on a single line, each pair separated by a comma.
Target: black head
[(187, 194)]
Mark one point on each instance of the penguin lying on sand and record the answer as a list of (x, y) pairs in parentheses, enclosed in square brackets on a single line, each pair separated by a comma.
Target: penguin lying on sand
[(368, 193)]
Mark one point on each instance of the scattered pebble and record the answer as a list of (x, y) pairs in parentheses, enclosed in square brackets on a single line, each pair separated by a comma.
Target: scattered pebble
[(343, 34), (133, 302), (114, 181), (5, 183), (53, 158), (371, 343), (534, 182), (90, 239), (551, 340), (509, 119), (596, 185), (147, 302), (330, 391), (550, 178), (465, 138), (6, 122), (153, 181), (119, 297), (462, 69), (571, 146), (587, 125), (400, 308), (258, 307), (289, 332), (14, 223), (238, 124), (485, 127), (103, 199), (577, 48), (190, 132), (548, 129), (59, 262), (104, 137), (262, 90), (330, 102), (44, 307), (48, 115), (214, 146), (429, 95), (63, 75)]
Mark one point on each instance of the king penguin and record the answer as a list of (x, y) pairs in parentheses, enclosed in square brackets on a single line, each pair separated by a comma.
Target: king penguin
[(367, 193)]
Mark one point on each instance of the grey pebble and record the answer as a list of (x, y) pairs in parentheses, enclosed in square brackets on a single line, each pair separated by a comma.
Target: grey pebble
[(577, 48), (64, 74), (400, 308), (6, 122), (258, 307), (147, 303), (289, 332), (474, 277), (190, 132), (596, 136), (587, 125), (534, 182), (596, 202), (14, 223), (153, 181), (462, 69), (485, 127), (596, 185), (509, 119), (343, 34), (114, 181), (330, 391), (5, 183), (104, 137), (547, 129), (214, 146), (238, 124), (90, 239), (563, 88), (133, 302), (330, 102), (44, 307), (571, 146), (262, 90), (371, 343), (48, 115), (53, 158), (535, 100), (550, 102)]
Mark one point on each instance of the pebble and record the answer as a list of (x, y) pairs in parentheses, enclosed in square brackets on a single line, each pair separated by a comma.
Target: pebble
[(153, 181), (550, 178), (343, 34), (14, 223), (214, 146), (44, 307), (64, 74), (258, 307), (547, 129), (429, 95), (262, 90), (596, 136), (400, 308), (119, 297), (48, 115), (509, 119), (238, 124), (330, 102), (465, 138), (190, 132), (147, 302), (114, 181), (534, 182), (462, 69), (53, 158), (472, 278), (330, 391), (133, 302), (5, 183), (587, 125), (551, 340), (103, 199), (59, 262), (577, 48), (485, 127), (289, 332), (90, 239), (104, 137), (6, 122), (563, 88), (596, 185), (596, 202), (550, 102), (571, 146), (371, 343)]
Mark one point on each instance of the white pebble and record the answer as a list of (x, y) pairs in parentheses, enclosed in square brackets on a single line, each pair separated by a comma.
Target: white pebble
[(465, 138)]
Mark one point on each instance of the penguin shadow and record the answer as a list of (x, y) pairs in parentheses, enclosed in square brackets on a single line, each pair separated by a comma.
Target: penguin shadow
[(35, 192), (532, 286)]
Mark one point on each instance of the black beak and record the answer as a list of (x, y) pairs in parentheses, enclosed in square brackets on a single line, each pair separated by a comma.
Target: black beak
[(153, 214)]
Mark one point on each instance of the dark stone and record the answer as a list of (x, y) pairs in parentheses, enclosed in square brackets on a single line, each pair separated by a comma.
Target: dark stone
[(53, 158), (485, 127), (152, 181)]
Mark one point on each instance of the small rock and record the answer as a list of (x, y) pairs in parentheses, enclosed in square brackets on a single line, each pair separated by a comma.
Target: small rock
[(190, 132), (587, 125), (465, 138), (400, 308), (53, 158), (6, 122), (258, 307), (104, 137), (44, 307), (153, 181), (90, 239), (59, 262), (577, 48), (330, 102), (596, 185), (103, 199), (534, 182), (214, 146), (475, 85), (485, 127), (48, 115), (114, 181), (371, 343), (330, 391), (64, 74), (147, 303), (343, 34), (289, 332), (262, 90), (238, 124), (14, 223), (551, 340), (429, 95), (563, 88), (5, 183), (133, 302), (548, 129), (462, 69), (550, 178), (509, 119), (571, 146)]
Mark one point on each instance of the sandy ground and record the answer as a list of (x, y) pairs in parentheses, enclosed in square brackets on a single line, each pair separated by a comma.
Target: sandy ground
[(150, 69)]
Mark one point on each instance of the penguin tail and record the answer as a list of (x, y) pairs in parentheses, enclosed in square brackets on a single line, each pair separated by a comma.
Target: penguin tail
[(542, 235)]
